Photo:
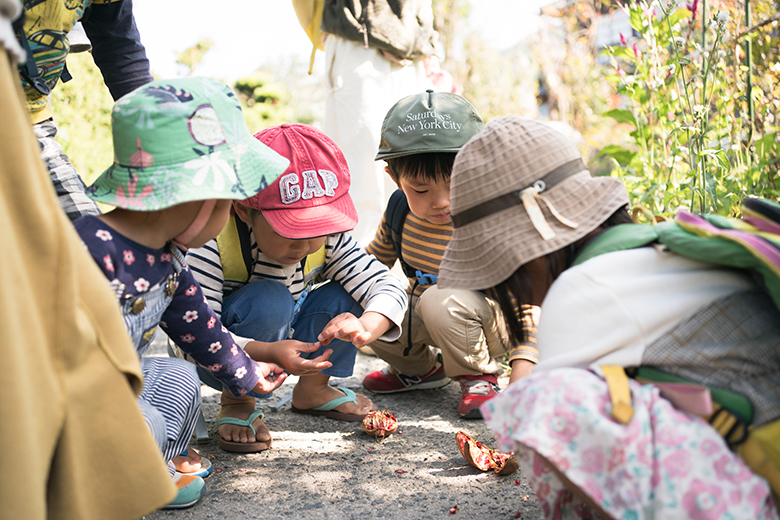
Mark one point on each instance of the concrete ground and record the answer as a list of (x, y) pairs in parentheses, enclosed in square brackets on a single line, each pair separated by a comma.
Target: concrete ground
[(319, 468)]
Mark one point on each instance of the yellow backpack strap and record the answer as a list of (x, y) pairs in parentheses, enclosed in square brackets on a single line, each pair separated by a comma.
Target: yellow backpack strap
[(232, 252), (314, 260), (619, 392), (761, 451)]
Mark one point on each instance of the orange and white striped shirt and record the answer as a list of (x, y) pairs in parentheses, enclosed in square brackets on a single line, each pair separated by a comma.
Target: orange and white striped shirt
[(422, 245)]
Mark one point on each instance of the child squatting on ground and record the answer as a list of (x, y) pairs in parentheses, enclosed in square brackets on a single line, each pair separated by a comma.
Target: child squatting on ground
[(182, 151), (665, 300), (285, 268), (420, 136)]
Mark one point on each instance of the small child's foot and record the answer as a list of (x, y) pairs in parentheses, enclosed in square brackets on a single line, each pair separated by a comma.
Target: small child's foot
[(187, 462), (191, 463), (241, 408)]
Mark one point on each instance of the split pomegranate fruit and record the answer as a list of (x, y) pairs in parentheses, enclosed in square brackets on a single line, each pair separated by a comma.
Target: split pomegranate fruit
[(379, 424), (484, 458)]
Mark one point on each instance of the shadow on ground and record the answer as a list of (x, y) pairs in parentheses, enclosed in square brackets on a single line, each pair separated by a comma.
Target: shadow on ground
[(319, 468)]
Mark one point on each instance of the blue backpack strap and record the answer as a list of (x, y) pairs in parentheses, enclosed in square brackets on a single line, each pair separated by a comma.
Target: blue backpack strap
[(395, 215)]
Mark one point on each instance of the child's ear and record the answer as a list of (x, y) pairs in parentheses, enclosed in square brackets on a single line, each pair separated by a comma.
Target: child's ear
[(242, 212), (387, 171)]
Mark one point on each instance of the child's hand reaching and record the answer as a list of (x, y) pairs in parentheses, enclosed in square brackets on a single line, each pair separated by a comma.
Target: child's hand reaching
[(359, 331), (288, 353), (268, 382)]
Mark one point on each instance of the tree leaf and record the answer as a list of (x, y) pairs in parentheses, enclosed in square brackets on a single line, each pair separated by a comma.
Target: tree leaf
[(621, 116), (620, 154)]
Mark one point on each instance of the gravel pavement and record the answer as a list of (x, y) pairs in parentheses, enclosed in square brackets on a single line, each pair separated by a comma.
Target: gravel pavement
[(319, 468)]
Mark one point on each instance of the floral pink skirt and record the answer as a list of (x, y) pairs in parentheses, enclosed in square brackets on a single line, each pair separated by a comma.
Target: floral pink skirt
[(663, 464)]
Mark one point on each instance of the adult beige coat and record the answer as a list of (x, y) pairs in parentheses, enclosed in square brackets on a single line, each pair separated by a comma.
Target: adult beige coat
[(73, 442)]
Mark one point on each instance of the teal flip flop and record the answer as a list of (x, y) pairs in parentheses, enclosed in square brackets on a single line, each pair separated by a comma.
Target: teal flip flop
[(243, 447), (327, 409)]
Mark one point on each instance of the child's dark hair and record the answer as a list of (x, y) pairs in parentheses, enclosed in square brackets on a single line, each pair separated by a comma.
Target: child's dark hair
[(515, 291), (431, 167)]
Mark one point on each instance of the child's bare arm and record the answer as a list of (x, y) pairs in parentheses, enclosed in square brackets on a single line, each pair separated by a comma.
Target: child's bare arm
[(359, 331), (287, 353)]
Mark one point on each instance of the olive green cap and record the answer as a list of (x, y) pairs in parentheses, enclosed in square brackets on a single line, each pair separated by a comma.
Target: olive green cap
[(430, 122)]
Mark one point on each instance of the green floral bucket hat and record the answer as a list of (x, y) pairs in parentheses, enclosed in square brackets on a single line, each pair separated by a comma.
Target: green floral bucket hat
[(182, 140)]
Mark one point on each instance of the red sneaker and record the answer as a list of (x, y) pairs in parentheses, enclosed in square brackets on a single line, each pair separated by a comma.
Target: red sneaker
[(476, 390), (383, 382)]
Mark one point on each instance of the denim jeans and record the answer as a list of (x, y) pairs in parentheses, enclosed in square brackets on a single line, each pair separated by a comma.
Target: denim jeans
[(264, 310)]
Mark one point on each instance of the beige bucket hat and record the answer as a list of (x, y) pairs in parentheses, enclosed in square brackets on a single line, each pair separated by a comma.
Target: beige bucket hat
[(519, 191)]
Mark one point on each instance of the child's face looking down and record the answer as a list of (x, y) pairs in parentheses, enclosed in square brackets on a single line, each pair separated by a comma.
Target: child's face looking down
[(217, 221), (286, 251), (428, 199)]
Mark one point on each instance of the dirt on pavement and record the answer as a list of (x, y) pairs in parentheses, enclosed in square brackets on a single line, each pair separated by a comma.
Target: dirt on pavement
[(319, 468)]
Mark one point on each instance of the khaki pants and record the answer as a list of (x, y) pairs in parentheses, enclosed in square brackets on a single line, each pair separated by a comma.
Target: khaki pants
[(465, 325)]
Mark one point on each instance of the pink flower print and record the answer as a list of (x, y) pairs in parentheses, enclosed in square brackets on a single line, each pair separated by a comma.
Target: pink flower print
[(188, 338), (108, 263), (542, 489), (240, 373), (669, 436), (215, 347), (190, 316), (224, 329), (165, 257), (758, 495), (593, 490), (644, 452), (678, 464), (128, 199), (540, 466), (710, 447), (617, 458), (558, 458), (562, 425), (216, 367), (703, 501), (190, 290), (735, 497), (150, 260), (103, 235), (212, 321), (730, 468), (141, 285), (128, 257), (242, 391), (592, 460), (234, 349)]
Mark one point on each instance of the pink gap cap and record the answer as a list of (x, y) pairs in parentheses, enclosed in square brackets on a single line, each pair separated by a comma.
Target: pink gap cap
[(311, 198)]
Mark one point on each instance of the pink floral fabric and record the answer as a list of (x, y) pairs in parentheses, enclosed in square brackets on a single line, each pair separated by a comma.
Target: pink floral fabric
[(664, 464)]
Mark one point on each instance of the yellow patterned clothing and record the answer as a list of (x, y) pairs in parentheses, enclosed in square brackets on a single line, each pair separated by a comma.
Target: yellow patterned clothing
[(75, 443), (46, 27), (422, 245)]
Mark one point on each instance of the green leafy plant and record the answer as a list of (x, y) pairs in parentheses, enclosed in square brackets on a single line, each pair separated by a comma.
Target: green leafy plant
[(692, 140)]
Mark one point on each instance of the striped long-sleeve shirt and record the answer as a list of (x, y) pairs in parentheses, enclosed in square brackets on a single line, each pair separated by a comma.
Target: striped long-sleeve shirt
[(422, 245), (368, 281)]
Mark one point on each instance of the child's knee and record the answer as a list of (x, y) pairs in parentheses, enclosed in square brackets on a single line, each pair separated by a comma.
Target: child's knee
[(266, 300)]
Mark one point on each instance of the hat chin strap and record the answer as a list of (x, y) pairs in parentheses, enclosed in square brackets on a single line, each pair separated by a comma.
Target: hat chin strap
[(197, 225)]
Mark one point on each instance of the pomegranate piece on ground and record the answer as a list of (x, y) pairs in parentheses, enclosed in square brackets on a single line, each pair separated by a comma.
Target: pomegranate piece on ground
[(379, 424), (484, 458)]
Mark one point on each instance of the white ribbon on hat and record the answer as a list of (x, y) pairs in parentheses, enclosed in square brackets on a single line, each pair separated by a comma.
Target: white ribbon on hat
[(529, 197)]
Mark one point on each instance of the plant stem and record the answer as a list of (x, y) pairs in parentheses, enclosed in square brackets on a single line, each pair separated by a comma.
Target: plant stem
[(749, 52)]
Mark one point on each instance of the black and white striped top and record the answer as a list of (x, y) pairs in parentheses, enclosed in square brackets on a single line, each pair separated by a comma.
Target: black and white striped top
[(365, 278)]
